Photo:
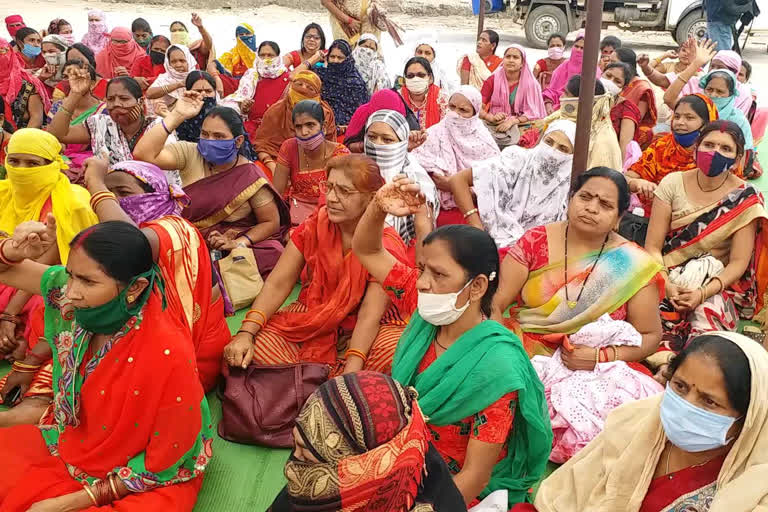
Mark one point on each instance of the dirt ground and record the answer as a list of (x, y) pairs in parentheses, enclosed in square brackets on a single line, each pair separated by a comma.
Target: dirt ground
[(455, 33)]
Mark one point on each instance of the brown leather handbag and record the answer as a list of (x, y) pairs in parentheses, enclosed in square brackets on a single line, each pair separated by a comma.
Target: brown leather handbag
[(260, 404)]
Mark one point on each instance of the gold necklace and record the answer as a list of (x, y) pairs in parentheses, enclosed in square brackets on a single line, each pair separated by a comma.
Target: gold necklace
[(306, 160), (698, 182)]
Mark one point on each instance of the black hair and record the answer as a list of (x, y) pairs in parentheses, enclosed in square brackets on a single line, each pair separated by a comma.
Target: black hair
[(235, 124), (555, 36), (195, 76), (721, 73), (616, 177), (129, 83), (574, 86), (475, 250), (319, 31), (310, 107), (24, 32), (54, 27), (611, 41), (342, 45), (747, 68), (628, 56), (83, 65), (423, 62), (172, 48), (728, 127), (624, 67), (87, 52), (178, 23), (731, 360), (493, 37), (272, 45), (698, 105), (121, 249), (146, 187), (141, 24)]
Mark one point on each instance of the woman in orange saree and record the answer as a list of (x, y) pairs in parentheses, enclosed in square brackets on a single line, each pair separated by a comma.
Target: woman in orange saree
[(129, 428), (342, 316)]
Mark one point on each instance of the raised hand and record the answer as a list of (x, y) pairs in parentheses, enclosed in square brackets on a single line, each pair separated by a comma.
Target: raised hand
[(401, 197), (31, 240), (197, 20), (704, 51), (79, 82), (416, 139), (96, 169), (189, 105)]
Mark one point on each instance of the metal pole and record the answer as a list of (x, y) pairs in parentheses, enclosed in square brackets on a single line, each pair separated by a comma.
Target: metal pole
[(481, 18), (587, 93)]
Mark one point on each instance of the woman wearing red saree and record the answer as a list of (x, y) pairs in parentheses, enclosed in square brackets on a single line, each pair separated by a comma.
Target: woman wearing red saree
[(421, 95), (145, 198), (638, 92), (338, 297), (129, 428)]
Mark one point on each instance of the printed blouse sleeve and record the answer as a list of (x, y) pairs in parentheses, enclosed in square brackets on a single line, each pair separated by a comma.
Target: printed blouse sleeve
[(494, 423), (287, 154), (531, 251), (400, 285)]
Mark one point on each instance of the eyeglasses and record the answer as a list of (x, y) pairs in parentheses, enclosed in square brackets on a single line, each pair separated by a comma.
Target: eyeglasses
[(416, 75), (341, 192), (312, 37)]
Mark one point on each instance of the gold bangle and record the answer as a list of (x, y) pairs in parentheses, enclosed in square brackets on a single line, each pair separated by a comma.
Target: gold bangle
[(470, 212), (113, 486), (615, 353), (87, 488), (355, 352), (251, 320), (24, 366), (722, 284), (256, 311), (597, 357)]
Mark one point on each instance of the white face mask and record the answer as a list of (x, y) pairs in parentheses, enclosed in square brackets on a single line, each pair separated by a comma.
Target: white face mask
[(440, 308), (54, 59), (417, 85), (610, 87)]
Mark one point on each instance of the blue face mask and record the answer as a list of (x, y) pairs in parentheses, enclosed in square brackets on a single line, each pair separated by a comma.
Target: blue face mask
[(249, 41), (686, 140), (31, 51), (691, 428), (217, 152)]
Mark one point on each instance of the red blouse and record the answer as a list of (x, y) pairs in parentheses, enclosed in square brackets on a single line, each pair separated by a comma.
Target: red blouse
[(144, 68)]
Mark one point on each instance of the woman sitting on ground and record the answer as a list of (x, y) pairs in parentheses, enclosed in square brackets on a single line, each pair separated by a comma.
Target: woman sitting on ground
[(302, 161), (169, 86), (698, 446), (117, 58), (240, 57), (312, 42), (35, 186), (79, 51), (232, 201), (485, 404), (370, 64), (562, 76), (455, 143), (545, 67), (520, 188), (385, 99), (704, 226), (148, 68), (421, 95), (28, 49), (342, 317), (639, 93), (206, 87), (402, 453), (25, 96), (277, 125), (475, 68), (129, 418), (144, 198), (343, 87), (559, 272), (202, 49), (672, 152), (512, 98)]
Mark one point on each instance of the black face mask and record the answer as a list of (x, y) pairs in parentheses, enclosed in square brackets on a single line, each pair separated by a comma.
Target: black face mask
[(157, 57)]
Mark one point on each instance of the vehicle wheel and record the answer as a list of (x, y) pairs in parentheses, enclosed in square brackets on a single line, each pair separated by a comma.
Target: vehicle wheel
[(693, 25), (542, 22)]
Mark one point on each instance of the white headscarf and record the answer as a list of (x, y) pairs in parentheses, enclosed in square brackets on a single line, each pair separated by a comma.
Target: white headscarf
[(524, 188), (171, 76), (442, 79), (370, 64)]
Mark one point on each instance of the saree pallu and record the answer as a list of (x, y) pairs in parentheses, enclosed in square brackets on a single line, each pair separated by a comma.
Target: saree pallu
[(277, 126), (215, 198), (637, 92), (185, 262), (621, 272), (77, 153), (701, 233), (334, 284)]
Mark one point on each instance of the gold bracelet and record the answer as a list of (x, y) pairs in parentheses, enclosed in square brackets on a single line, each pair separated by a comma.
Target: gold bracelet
[(722, 285), (113, 486), (256, 311), (615, 353), (597, 357), (355, 352), (87, 488), (470, 212)]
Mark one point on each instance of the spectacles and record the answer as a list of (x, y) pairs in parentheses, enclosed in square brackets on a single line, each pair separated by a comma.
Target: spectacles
[(416, 75), (341, 192), (312, 37)]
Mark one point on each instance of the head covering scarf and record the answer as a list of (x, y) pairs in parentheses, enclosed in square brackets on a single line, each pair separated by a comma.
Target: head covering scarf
[(442, 79), (528, 99), (57, 40), (726, 107), (14, 18), (456, 143), (385, 99), (272, 67), (730, 59), (524, 188), (370, 65), (97, 36), (615, 470), (26, 190), (116, 55), (377, 428), (165, 199), (241, 56), (343, 87), (13, 77), (171, 76), (312, 80), (564, 72)]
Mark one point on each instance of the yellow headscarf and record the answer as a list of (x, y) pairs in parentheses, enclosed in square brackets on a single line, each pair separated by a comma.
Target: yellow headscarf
[(311, 79), (26, 190), (240, 58)]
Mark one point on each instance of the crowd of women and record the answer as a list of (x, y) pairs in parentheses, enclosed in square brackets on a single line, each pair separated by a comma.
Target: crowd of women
[(478, 313)]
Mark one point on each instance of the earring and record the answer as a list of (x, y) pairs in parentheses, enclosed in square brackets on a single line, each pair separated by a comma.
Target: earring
[(131, 298)]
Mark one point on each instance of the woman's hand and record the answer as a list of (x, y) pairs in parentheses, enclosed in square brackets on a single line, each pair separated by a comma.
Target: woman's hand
[(580, 358), (642, 188), (79, 82), (225, 242), (353, 364), (8, 342), (197, 20), (31, 240), (506, 125), (669, 54), (401, 197), (416, 139), (143, 82), (239, 351), (441, 182), (548, 107), (644, 61), (16, 380), (47, 72), (189, 105), (354, 25), (703, 51), (688, 300), (246, 106), (96, 169), (121, 71)]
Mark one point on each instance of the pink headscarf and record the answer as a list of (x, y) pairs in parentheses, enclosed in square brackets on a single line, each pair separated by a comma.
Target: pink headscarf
[(528, 99), (97, 36), (456, 143), (116, 55), (730, 59), (385, 99), (564, 72), (14, 18), (13, 76)]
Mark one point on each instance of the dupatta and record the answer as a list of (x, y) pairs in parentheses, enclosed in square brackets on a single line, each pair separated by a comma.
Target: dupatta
[(528, 98), (432, 109), (483, 365)]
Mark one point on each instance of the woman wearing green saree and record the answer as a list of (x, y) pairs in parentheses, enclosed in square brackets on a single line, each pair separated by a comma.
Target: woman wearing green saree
[(486, 406)]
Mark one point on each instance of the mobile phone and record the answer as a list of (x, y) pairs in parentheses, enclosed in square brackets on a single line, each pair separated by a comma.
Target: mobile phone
[(13, 396)]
